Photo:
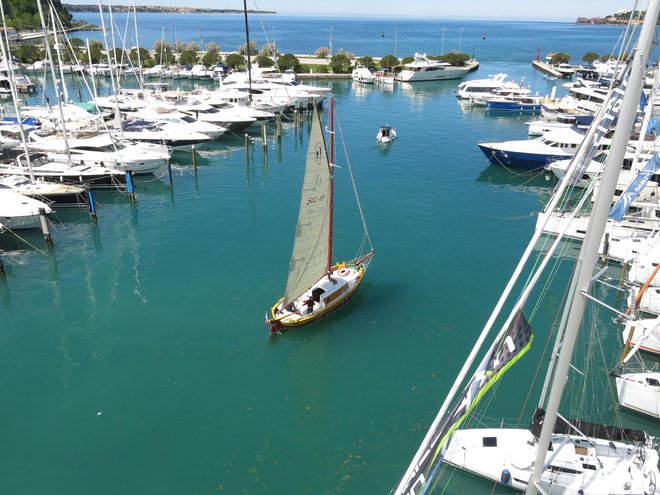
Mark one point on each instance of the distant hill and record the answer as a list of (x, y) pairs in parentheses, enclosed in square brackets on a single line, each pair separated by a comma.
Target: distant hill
[(619, 17), (153, 8), (23, 14)]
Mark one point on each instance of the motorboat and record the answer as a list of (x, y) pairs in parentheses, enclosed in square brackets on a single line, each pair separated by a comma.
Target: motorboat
[(41, 167), (170, 134), (424, 69), (527, 104), (18, 211), (566, 70), (51, 193), (386, 134), (535, 154), (362, 74), (102, 149), (476, 89)]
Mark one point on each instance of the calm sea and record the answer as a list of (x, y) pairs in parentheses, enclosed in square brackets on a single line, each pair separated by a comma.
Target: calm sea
[(134, 355)]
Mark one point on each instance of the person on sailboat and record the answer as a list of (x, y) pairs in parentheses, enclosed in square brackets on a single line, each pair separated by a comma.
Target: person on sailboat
[(310, 305)]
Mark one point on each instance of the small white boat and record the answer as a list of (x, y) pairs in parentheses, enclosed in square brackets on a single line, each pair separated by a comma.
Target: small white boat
[(363, 75), (386, 134)]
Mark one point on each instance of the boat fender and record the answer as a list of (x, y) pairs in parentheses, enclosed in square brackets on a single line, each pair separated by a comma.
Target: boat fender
[(505, 478), (343, 272)]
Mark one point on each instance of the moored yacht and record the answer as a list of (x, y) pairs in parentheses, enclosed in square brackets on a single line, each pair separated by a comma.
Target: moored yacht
[(424, 69)]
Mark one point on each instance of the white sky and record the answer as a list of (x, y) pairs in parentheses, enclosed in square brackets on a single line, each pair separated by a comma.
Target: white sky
[(565, 10)]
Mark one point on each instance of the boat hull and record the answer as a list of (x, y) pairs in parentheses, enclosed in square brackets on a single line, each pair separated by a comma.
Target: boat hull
[(519, 160), (513, 106), (283, 322)]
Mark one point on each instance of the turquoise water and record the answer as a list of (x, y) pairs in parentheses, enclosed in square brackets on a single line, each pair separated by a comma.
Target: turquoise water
[(134, 354)]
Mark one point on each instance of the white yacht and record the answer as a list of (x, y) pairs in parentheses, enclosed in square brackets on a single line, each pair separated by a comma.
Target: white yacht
[(214, 131), (51, 193), (476, 88), (102, 149), (18, 211), (363, 75), (423, 69)]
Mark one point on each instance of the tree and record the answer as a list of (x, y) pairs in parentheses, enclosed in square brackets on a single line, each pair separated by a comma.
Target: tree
[(350, 55), (340, 63), (24, 14), (265, 61), (95, 53), (590, 57), (269, 50), (455, 58), (188, 57), (407, 60), (145, 55), (28, 54), (288, 61), (76, 42), (234, 60), (560, 58), (243, 49), (322, 52), (367, 62), (212, 46), (389, 62), (211, 57), (163, 53)]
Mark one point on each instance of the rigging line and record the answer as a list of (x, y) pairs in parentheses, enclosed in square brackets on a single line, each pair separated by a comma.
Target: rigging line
[(269, 44), (350, 171), (27, 242)]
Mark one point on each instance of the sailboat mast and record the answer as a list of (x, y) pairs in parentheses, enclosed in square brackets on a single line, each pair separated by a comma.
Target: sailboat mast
[(589, 251), (6, 55), (332, 182), (247, 49), (58, 95)]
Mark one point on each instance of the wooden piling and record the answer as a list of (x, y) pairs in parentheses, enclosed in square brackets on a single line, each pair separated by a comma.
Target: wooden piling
[(194, 159), (169, 173), (247, 149), (2, 269), (278, 125)]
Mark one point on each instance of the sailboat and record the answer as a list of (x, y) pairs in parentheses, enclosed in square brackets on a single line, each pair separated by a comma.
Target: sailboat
[(555, 455), (316, 286)]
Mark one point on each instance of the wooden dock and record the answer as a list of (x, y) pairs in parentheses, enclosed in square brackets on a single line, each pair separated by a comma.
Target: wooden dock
[(547, 68)]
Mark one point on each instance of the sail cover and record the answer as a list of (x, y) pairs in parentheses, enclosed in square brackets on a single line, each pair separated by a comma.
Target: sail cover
[(310, 249), (504, 353), (634, 188)]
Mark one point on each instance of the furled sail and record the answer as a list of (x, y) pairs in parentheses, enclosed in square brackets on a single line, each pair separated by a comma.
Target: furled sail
[(504, 353), (310, 249)]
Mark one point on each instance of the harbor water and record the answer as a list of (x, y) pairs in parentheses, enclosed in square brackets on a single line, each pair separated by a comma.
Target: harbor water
[(135, 359)]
